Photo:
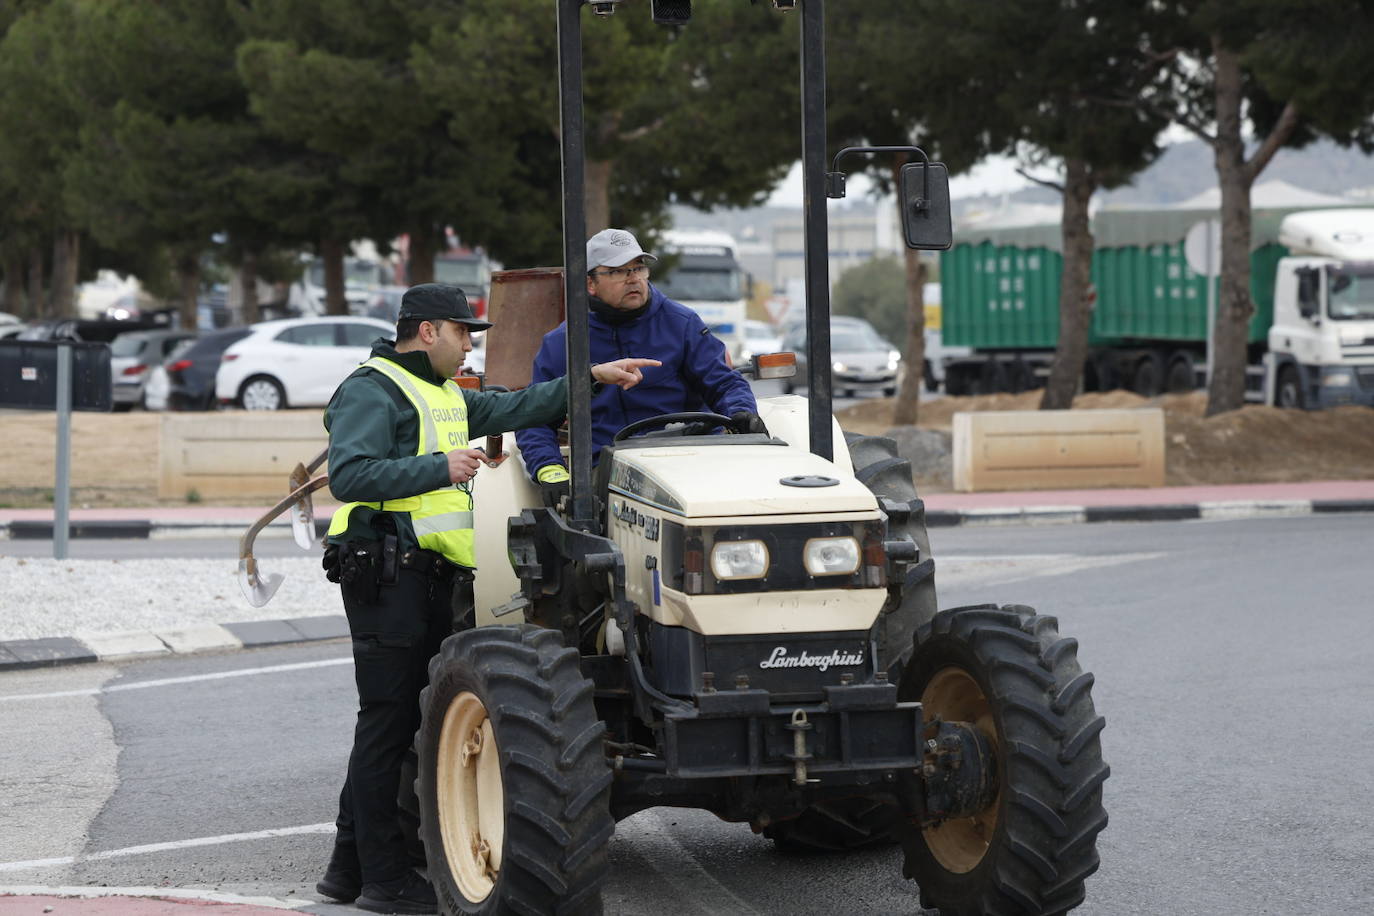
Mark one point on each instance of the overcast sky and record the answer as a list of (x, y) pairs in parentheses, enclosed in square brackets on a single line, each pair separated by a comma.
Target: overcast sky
[(993, 176)]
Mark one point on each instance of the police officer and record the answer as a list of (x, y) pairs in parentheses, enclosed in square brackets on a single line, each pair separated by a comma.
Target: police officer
[(402, 549)]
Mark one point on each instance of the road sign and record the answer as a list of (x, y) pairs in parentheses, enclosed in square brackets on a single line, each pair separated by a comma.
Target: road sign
[(1202, 247)]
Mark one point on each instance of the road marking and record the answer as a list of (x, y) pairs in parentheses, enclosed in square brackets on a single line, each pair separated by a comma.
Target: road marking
[(168, 847), (677, 866), (171, 892), (170, 681)]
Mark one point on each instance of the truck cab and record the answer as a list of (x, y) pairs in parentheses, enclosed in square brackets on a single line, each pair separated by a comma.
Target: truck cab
[(1321, 343), (708, 280)]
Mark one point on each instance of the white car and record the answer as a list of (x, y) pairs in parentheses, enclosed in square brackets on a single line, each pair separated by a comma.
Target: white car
[(295, 362), (760, 337)]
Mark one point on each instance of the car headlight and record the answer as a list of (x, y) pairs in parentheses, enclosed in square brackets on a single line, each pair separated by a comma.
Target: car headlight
[(739, 560), (839, 367), (831, 556), (1337, 380), (893, 359)]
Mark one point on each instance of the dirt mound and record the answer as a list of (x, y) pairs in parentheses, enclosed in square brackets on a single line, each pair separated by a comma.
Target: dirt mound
[(1252, 445)]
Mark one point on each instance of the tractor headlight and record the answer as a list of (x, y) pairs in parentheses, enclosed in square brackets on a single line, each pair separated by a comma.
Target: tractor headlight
[(831, 556), (739, 560)]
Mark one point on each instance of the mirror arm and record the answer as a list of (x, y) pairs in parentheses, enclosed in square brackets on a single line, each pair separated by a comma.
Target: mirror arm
[(835, 179)]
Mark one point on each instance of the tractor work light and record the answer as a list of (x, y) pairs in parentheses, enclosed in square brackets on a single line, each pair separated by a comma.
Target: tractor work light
[(775, 365), (739, 560), (831, 556)]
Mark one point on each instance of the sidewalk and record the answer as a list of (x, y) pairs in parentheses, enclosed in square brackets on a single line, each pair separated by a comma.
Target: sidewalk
[(196, 629)]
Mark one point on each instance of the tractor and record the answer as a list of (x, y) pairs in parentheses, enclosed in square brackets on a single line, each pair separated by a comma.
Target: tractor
[(741, 623)]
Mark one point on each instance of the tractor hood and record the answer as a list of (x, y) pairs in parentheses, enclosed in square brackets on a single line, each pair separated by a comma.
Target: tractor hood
[(737, 480)]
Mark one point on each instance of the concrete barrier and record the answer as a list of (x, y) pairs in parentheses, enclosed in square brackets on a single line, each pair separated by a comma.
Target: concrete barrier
[(236, 455), (1058, 449)]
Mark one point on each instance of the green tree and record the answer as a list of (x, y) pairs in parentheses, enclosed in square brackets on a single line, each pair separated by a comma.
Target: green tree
[(1251, 77), (704, 114), (876, 292), (1066, 87), (35, 145)]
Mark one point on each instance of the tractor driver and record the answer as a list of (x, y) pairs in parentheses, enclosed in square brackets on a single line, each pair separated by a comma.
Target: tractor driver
[(628, 315), (402, 549)]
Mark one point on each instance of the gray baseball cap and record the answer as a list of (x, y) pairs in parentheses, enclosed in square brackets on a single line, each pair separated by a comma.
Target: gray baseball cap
[(614, 248)]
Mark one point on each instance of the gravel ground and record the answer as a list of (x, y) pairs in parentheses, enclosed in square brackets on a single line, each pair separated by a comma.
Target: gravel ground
[(78, 597)]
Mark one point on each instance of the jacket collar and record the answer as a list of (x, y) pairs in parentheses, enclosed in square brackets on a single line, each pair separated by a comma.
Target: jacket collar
[(656, 300), (416, 362)]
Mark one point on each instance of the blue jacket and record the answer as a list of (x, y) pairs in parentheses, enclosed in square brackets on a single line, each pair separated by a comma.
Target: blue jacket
[(694, 375)]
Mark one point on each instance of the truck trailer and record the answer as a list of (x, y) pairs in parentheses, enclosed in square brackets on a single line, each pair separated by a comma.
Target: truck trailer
[(1311, 340), (707, 278)]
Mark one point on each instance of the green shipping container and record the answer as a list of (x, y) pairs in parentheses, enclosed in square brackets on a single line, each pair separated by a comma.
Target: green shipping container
[(1000, 287)]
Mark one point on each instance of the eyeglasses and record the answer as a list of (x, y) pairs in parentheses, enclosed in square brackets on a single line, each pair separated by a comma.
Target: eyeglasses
[(621, 274)]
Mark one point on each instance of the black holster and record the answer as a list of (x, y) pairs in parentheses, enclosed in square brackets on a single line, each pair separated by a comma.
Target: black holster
[(364, 566)]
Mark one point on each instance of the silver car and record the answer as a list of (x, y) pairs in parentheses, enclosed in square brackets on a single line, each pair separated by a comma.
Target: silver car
[(862, 362), (133, 356)]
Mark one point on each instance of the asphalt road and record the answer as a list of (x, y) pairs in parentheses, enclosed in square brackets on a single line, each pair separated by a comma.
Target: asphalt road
[(1232, 663)]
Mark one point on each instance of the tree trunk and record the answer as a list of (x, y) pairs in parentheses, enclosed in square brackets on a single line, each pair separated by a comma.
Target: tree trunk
[(248, 284), (1226, 390), (598, 194), (14, 287), (420, 256), (38, 306), (332, 253), (66, 250), (1075, 288), (188, 273), (909, 394)]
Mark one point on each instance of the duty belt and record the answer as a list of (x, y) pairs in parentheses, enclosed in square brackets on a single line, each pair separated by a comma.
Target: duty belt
[(432, 564)]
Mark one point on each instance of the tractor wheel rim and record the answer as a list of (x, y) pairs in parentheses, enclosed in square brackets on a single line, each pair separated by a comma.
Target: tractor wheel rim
[(959, 845), (471, 799), (260, 396)]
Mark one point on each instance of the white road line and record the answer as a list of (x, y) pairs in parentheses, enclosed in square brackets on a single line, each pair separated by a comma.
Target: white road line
[(172, 892), (167, 847), (169, 681), (675, 864)]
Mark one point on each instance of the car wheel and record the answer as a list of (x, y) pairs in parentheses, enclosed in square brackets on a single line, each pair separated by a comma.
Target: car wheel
[(262, 392)]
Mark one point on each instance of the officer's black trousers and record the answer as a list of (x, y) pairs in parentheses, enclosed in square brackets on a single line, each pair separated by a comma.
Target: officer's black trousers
[(393, 641)]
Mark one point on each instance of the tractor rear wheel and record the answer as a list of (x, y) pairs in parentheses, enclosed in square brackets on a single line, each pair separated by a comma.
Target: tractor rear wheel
[(1008, 673), (910, 602), (513, 784)]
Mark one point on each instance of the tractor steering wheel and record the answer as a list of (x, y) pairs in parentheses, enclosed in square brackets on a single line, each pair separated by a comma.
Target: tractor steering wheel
[(703, 423)]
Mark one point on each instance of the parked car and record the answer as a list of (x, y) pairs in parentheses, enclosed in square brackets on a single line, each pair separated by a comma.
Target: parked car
[(11, 331), (295, 362), (759, 337), (191, 372), (862, 362), (133, 355)]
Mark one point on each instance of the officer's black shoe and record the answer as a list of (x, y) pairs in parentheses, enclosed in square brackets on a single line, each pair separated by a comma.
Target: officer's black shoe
[(340, 885), (410, 894)]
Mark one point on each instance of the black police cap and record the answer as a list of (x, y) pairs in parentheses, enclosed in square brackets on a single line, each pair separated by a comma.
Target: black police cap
[(439, 302)]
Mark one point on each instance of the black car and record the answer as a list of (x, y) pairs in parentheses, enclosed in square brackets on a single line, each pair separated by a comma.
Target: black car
[(191, 372)]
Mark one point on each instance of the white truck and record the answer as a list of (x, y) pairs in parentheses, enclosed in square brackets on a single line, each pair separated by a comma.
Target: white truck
[(1321, 343), (708, 279)]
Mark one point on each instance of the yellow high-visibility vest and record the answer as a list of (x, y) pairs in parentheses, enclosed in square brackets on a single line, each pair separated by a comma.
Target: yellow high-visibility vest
[(442, 518)]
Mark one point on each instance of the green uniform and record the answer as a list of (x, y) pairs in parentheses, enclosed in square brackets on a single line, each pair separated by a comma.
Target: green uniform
[(374, 433)]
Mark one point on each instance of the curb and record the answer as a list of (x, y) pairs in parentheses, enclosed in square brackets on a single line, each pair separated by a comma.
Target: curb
[(1208, 511), (52, 651), (145, 529)]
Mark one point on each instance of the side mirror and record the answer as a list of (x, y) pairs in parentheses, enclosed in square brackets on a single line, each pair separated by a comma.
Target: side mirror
[(1309, 291), (925, 206)]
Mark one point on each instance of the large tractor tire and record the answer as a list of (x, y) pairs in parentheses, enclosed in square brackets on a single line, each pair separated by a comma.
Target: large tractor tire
[(837, 826), (1008, 672), (513, 785), (910, 602)]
